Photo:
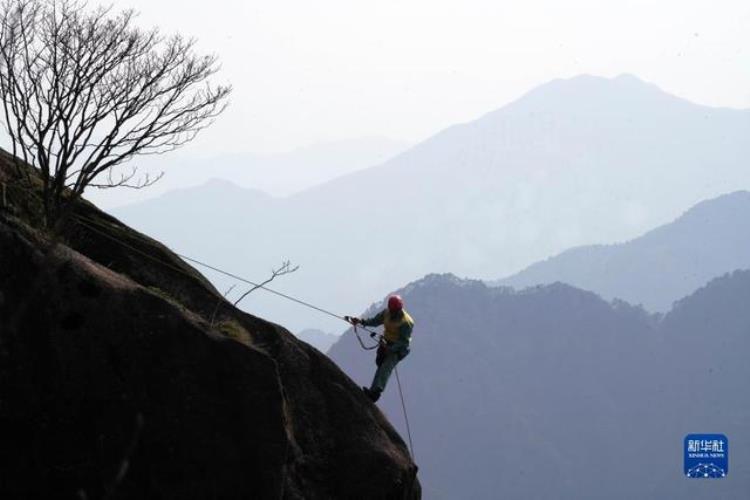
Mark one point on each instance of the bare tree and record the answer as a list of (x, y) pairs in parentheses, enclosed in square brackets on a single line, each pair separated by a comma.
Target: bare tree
[(85, 90)]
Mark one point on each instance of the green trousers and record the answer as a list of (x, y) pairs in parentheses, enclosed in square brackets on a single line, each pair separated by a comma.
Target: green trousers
[(387, 359)]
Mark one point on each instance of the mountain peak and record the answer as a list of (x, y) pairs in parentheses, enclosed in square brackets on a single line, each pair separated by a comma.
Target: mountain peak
[(736, 200), (629, 77), (591, 92), (589, 80)]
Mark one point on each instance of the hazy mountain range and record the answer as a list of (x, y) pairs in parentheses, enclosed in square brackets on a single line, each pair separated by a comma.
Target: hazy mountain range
[(277, 174), (578, 161), (552, 392), (661, 266)]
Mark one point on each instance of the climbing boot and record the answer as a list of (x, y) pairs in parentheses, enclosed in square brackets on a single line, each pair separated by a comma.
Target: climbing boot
[(374, 395)]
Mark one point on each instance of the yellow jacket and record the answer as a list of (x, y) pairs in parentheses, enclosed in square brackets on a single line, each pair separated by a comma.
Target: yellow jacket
[(397, 329)]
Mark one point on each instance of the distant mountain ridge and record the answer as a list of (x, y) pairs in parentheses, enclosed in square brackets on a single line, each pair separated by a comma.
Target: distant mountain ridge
[(662, 266), (279, 174), (551, 392), (572, 162)]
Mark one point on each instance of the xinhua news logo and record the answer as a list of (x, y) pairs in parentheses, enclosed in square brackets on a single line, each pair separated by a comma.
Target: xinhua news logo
[(706, 456)]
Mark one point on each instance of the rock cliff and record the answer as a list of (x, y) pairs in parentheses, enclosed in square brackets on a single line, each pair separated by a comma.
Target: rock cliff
[(124, 374)]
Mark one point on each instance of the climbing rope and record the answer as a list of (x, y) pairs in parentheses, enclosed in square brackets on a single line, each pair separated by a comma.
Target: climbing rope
[(88, 222), (406, 415), (94, 226)]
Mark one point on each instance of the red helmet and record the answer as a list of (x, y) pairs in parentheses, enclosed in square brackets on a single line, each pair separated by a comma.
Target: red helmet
[(395, 303)]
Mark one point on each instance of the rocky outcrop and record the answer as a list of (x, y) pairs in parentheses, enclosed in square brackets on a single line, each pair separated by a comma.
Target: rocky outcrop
[(124, 374)]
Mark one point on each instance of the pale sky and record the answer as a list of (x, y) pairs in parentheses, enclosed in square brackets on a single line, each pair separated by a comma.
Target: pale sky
[(313, 71)]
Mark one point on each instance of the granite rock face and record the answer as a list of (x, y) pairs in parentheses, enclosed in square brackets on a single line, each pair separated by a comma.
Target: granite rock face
[(123, 372)]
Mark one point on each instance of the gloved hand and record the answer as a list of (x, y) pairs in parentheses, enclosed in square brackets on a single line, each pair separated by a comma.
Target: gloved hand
[(353, 320)]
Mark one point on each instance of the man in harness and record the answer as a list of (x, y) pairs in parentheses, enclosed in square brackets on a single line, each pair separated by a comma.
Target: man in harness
[(394, 346)]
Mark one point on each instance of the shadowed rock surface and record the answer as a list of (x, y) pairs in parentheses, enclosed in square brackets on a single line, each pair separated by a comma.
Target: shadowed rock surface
[(117, 360)]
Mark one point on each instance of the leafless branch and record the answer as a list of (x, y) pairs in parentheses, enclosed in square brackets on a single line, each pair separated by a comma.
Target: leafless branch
[(285, 268), (125, 180)]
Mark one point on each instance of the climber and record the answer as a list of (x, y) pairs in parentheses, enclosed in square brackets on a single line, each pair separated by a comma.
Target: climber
[(394, 345)]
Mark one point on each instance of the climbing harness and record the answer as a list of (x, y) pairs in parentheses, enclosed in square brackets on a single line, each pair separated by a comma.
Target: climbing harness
[(92, 224)]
